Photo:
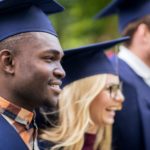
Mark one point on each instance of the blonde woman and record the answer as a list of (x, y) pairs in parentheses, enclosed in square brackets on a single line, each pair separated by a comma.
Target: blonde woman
[(88, 101)]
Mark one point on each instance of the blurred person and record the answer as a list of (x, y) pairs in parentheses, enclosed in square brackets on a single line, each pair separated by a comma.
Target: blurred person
[(87, 104), (131, 129), (30, 69)]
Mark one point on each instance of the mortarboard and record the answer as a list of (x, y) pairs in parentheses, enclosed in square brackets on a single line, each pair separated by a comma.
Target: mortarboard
[(88, 60), (19, 16), (127, 11)]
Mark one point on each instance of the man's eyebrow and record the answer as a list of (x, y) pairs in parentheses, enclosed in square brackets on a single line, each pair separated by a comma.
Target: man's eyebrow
[(54, 51)]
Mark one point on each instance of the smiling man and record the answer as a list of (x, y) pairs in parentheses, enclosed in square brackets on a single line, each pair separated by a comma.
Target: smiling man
[(30, 69)]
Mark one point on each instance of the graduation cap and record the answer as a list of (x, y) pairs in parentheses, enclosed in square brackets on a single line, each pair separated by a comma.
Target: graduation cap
[(127, 11), (19, 16), (88, 60)]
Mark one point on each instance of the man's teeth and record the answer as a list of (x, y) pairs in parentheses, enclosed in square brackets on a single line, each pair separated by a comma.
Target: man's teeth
[(55, 86)]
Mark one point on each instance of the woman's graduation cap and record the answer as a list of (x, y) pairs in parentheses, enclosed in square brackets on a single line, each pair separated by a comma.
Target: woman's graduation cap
[(19, 16), (88, 60), (127, 11)]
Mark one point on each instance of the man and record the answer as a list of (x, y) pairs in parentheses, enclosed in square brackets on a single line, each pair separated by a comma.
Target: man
[(131, 128), (30, 69)]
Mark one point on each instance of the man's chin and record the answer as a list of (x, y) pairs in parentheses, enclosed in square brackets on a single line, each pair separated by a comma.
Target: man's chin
[(52, 102)]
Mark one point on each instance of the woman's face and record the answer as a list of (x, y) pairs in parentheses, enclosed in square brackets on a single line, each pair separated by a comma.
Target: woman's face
[(107, 102)]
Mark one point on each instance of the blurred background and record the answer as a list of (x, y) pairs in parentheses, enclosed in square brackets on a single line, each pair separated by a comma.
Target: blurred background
[(76, 26)]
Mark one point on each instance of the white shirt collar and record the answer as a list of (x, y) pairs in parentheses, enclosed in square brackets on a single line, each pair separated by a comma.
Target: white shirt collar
[(137, 65)]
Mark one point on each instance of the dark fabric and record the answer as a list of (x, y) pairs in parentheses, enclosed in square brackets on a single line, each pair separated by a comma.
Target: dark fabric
[(9, 138), (89, 141), (20, 16), (45, 121), (45, 117), (31, 19), (46, 145), (126, 10), (47, 6), (131, 130), (88, 61)]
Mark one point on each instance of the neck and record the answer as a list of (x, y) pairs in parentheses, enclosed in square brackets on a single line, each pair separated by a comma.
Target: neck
[(146, 60), (143, 54), (12, 96), (16, 101), (92, 129)]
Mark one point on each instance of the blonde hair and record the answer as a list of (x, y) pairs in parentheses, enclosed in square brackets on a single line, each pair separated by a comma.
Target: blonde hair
[(74, 116)]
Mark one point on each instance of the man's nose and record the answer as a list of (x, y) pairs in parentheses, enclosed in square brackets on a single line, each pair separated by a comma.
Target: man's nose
[(59, 72)]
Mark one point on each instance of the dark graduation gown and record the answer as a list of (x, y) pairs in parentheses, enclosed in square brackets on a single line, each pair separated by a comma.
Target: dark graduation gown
[(131, 130), (9, 138)]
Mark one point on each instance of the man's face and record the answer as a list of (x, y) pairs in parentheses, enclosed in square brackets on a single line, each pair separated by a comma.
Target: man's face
[(38, 71)]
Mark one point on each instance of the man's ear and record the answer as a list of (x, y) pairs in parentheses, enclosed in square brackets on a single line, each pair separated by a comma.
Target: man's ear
[(7, 61), (143, 30)]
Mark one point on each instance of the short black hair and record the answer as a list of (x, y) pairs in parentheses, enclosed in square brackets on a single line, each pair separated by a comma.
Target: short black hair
[(14, 42)]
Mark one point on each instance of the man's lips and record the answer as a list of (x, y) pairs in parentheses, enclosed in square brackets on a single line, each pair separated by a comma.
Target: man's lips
[(55, 86)]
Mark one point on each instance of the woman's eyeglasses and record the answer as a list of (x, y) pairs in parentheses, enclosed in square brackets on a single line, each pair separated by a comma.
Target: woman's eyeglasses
[(113, 89)]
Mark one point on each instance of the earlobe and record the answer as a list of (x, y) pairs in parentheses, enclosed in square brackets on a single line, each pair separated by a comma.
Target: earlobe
[(7, 61)]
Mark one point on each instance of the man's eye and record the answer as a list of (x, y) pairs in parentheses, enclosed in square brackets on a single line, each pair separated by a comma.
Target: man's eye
[(49, 58)]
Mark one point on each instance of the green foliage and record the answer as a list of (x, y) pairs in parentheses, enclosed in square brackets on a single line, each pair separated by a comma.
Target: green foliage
[(76, 26)]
